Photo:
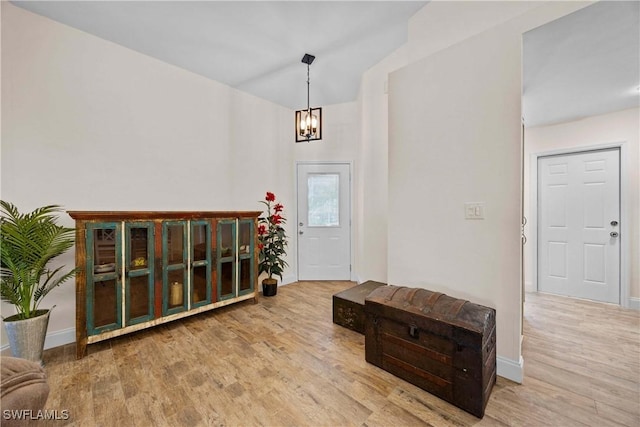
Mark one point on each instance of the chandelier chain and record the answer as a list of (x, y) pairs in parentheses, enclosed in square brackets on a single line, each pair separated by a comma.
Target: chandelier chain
[(308, 90)]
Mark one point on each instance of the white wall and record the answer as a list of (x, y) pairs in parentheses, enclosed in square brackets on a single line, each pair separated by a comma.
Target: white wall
[(373, 173), (603, 129), (463, 148), (441, 24), (454, 137), (435, 27), (91, 125)]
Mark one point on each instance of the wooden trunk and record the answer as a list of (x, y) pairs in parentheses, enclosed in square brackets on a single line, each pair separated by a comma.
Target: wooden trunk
[(441, 344), (348, 305)]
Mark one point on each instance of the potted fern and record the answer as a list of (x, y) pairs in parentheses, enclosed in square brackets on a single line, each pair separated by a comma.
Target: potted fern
[(272, 244), (28, 242)]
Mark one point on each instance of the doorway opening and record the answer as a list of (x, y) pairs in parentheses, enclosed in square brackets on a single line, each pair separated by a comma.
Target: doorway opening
[(578, 224), (577, 74)]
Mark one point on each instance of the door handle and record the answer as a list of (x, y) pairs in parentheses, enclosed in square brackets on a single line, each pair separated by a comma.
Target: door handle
[(614, 234), (614, 223), (300, 232)]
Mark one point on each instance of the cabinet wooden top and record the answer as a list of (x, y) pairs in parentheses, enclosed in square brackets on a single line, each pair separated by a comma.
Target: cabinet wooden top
[(150, 215)]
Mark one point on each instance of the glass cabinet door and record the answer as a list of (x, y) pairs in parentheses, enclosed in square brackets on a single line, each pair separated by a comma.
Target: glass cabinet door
[(226, 259), (245, 256), (104, 273), (139, 279), (174, 267), (200, 263)]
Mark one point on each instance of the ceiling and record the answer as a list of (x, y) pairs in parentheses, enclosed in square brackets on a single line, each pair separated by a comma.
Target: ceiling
[(254, 46), (583, 64)]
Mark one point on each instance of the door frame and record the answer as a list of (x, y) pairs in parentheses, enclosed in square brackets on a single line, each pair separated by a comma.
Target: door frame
[(625, 217), (351, 227)]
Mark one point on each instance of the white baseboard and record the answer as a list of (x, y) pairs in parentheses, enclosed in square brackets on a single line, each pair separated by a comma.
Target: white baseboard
[(58, 338), (634, 303), (286, 280), (53, 339), (510, 369), (528, 287)]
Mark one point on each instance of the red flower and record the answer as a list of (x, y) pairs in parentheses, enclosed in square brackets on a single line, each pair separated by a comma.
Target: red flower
[(272, 240), (275, 219)]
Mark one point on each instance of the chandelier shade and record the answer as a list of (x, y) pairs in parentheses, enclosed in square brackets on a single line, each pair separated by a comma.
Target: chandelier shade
[(309, 125), (309, 121)]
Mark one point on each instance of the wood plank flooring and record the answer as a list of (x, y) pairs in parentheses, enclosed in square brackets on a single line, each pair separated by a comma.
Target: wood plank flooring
[(282, 362)]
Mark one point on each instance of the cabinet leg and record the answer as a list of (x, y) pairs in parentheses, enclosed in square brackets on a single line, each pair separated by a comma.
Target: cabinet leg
[(81, 348)]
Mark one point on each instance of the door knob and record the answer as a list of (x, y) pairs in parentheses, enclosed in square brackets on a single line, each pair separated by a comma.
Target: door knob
[(300, 224), (300, 232), (613, 234), (614, 223)]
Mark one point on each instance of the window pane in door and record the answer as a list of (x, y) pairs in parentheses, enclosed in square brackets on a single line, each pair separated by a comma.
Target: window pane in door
[(323, 200), (226, 240), (176, 288), (139, 298), (245, 274), (226, 278), (175, 243), (244, 238), (199, 283), (104, 250), (139, 248), (105, 303), (199, 238)]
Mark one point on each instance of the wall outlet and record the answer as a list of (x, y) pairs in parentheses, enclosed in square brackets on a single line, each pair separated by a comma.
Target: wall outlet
[(474, 210)]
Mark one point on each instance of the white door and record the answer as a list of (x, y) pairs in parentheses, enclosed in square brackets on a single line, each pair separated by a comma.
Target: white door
[(324, 222), (578, 217)]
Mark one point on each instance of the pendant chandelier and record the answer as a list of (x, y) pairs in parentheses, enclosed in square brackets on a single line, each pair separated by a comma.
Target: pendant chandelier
[(309, 121)]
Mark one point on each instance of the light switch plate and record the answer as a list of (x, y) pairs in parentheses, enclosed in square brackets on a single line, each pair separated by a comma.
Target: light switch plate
[(474, 210)]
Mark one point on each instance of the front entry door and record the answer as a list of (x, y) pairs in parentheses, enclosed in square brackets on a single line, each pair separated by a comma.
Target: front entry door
[(579, 215), (324, 221)]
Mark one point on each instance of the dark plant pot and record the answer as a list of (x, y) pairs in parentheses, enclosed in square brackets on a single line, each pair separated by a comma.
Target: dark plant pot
[(269, 287)]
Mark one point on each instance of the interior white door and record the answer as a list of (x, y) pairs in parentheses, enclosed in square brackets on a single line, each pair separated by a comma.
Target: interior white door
[(579, 225), (324, 221)]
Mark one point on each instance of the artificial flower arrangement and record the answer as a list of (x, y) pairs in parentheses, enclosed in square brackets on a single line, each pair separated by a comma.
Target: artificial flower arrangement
[(272, 239)]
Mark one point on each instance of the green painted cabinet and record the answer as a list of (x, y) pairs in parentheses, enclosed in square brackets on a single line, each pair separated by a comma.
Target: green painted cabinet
[(227, 264), (174, 267), (140, 269), (120, 275), (236, 258), (247, 262), (104, 279), (201, 263)]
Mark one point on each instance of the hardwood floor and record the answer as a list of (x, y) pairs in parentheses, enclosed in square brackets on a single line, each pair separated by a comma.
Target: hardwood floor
[(282, 362)]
